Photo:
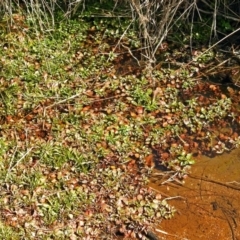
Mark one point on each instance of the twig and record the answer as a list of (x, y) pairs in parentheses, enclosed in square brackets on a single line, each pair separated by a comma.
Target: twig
[(184, 142), (220, 64), (166, 233), (130, 52), (28, 151), (172, 178), (162, 194), (77, 95), (121, 38), (216, 182), (64, 100), (11, 166), (171, 198), (11, 162), (233, 182), (215, 44)]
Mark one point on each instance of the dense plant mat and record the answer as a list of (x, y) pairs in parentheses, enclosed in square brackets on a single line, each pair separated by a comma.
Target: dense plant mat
[(82, 126)]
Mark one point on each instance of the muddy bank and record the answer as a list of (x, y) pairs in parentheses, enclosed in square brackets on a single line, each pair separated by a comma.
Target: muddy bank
[(208, 204)]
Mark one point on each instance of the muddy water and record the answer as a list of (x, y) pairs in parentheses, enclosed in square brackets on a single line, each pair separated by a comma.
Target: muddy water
[(208, 204)]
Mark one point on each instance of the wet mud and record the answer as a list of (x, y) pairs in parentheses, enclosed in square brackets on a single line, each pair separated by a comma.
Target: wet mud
[(208, 204)]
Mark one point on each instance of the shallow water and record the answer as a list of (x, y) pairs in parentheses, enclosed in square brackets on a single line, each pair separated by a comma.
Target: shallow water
[(208, 204)]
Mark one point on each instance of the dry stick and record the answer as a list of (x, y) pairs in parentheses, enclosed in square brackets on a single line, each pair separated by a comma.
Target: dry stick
[(121, 38), (215, 44), (233, 182), (213, 181), (77, 95), (184, 142), (156, 190), (219, 65), (175, 197), (213, 47), (14, 165), (28, 151), (11, 162), (130, 52), (64, 100), (191, 29), (214, 22), (219, 13), (172, 179), (166, 233), (169, 21)]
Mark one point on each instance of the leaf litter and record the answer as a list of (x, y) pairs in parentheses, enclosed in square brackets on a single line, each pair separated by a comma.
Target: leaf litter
[(80, 135)]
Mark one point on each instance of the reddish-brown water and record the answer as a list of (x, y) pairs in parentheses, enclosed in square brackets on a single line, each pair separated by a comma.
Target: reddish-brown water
[(208, 204)]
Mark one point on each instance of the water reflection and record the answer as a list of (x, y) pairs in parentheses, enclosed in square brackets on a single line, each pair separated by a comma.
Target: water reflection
[(208, 204)]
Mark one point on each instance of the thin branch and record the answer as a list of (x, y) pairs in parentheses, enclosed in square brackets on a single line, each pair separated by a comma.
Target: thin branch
[(124, 33), (215, 182), (11, 165)]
